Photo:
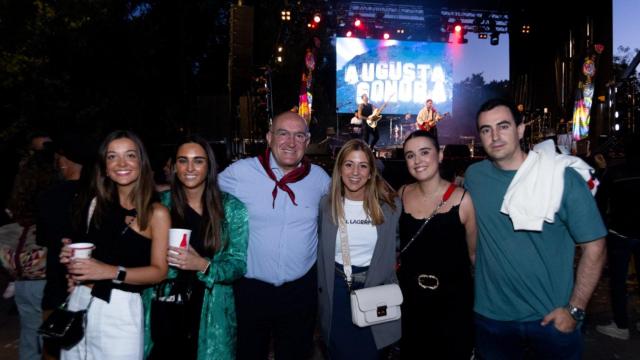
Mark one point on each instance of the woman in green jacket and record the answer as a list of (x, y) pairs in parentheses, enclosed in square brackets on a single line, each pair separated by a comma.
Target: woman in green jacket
[(202, 275)]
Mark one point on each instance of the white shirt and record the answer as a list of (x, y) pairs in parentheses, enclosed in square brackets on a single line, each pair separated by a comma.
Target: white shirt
[(283, 238), (540, 177), (361, 232)]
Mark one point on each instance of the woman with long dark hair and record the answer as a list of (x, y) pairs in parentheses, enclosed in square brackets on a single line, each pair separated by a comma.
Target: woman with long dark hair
[(437, 248), (369, 209), (205, 271), (130, 233)]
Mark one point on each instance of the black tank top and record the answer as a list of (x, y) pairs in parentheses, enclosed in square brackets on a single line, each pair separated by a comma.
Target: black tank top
[(118, 244), (440, 250), (366, 110)]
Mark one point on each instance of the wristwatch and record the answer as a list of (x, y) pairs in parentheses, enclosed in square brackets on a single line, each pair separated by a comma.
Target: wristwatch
[(576, 313), (122, 274)]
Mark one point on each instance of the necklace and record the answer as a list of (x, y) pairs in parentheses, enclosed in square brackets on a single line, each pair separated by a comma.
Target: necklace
[(129, 219)]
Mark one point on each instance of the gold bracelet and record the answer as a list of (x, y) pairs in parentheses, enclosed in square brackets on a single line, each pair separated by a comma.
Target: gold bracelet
[(206, 268)]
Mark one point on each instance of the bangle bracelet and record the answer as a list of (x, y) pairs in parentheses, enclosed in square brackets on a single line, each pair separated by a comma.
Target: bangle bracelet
[(206, 267)]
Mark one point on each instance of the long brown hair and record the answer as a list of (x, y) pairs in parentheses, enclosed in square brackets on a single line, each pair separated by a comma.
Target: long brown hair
[(376, 192), (36, 175), (141, 194), (212, 208)]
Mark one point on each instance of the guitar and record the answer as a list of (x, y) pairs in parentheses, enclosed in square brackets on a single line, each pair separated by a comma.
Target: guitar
[(428, 125), (372, 120)]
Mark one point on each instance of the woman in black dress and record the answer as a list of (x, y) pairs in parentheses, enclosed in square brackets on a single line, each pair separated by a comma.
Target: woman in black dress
[(437, 244)]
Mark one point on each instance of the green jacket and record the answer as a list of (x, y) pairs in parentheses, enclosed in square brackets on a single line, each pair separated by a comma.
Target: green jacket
[(217, 334)]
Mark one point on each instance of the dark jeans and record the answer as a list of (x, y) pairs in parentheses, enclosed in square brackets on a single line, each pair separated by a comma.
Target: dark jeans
[(286, 312), (496, 340), (371, 132), (619, 250), (348, 341)]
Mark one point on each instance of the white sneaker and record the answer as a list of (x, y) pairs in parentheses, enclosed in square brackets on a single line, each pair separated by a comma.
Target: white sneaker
[(10, 290), (614, 331)]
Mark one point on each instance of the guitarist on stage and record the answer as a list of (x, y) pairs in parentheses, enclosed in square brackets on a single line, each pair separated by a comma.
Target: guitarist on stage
[(428, 117), (364, 110)]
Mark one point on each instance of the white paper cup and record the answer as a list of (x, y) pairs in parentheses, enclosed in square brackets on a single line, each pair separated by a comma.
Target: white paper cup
[(81, 250), (179, 238)]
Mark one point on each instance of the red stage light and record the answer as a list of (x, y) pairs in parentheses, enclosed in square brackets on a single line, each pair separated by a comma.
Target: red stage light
[(385, 36), (457, 28), (317, 18), (357, 23), (349, 33)]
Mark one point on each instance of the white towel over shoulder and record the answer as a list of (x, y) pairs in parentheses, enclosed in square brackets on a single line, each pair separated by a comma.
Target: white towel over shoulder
[(535, 193)]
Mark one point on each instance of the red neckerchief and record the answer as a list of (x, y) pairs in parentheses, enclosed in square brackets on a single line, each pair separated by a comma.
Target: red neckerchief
[(294, 175)]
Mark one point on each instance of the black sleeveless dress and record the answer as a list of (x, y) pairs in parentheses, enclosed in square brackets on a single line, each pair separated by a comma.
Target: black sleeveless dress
[(437, 286), (184, 344)]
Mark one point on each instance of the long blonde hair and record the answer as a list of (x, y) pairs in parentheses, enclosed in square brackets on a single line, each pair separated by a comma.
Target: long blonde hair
[(376, 192)]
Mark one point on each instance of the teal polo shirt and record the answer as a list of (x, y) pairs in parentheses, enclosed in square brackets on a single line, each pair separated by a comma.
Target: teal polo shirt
[(524, 275)]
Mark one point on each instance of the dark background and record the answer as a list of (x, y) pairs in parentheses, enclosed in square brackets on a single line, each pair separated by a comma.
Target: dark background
[(162, 68)]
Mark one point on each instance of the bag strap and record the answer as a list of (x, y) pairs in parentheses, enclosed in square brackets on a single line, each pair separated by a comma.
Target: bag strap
[(66, 301), (445, 197), (92, 208), (344, 249)]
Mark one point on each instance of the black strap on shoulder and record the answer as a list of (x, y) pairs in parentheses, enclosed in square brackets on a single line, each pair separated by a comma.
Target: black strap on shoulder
[(463, 194)]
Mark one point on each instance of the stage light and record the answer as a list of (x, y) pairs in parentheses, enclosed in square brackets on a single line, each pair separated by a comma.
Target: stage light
[(317, 18), (279, 59), (526, 28), (280, 48), (458, 32), (482, 36), (349, 33), (385, 36), (357, 23), (495, 39), (457, 27), (285, 15)]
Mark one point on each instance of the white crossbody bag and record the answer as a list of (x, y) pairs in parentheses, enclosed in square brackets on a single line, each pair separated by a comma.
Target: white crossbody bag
[(373, 305)]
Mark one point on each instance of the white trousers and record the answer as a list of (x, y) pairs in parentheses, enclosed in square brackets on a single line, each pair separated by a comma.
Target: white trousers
[(115, 330)]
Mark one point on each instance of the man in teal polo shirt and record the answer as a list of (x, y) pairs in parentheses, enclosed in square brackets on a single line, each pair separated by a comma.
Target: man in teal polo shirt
[(525, 294)]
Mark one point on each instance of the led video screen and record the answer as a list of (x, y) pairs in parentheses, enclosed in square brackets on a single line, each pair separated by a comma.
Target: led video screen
[(403, 74)]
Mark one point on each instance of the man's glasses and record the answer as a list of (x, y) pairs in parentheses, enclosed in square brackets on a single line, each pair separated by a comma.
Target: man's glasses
[(284, 135)]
